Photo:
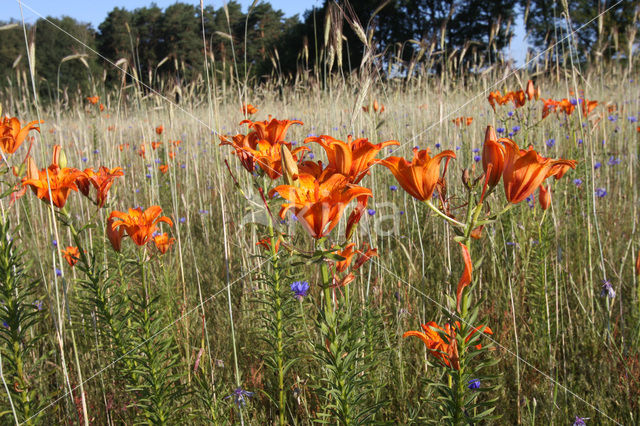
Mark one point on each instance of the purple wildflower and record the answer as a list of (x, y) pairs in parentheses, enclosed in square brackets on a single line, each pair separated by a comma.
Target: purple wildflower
[(300, 289)]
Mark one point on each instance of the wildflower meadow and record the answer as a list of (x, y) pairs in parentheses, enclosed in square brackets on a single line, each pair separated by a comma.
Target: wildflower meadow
[(440, 245)]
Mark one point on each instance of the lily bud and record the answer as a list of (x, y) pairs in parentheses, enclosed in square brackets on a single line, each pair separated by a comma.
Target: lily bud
[(531, 91), (638, 264), (289, 166), (375, 105), (492, 154), (32, 169), (465, 177), (114, 235), (544, 195)]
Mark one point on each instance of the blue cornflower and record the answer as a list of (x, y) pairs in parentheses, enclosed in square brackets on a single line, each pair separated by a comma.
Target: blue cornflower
[(4, 324), (601, 192), (417, 147), (312, 155), (58, 272), (500, 130), (579, 141), (183, 219), (203, 211), (473, 384), (239, 397), (510, 113), (158, 161), (300, 289), (401, 212), (515, 129), (577, 181), (148, 176), (632, 119), (371, 212), (607, 290), (95, 151), (597, 165), (613, 161), (84, 159), (475, 150), (580, 421), (574, 102), (55, 243), (437, 145), (613, 118), (476, 158), (393, 188), (551, 142), (38, 304), (530, 201)]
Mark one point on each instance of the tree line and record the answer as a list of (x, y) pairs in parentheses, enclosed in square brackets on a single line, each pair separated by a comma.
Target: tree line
[(156, 45)]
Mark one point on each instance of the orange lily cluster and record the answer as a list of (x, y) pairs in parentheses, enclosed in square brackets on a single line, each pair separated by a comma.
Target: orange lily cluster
[(376, 107), (55, 183), (140, 226), (519, 98), (71, 255), (459, 120), (262, 146), (441, 341), (12, 134), (522, 171), (248, 109), (567, 106)]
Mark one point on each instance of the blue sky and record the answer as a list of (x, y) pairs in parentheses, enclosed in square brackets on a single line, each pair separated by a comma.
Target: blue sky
[(95, 11)]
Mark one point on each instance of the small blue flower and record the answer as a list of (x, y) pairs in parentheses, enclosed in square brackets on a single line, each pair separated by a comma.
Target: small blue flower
[(475, 150), (95, 151), (401, 212), (393, 188), (551, 142), (500, 130), (84, 159), (312, 155), (417, 147), (515, 129), (183, 219), (239, 397), (632, 119), (55, 243), (58, 272), (510, 113), (597, 165), (371, 212), (577, 181), (510, 134), (300, 289), (574, 102), (579, 141), (4, 324), (613, 118), (148, 176), (438, 145), (38, 304), (613, 161), (601, 192), (203, 211), (607, 290), (476, 158), (473, 384), (580, 421)]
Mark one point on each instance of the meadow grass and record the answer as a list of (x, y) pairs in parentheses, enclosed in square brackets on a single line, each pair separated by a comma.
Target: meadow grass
[(563, 349)]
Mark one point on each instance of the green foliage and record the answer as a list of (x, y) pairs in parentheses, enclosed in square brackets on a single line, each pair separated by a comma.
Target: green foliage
[(19, 317)]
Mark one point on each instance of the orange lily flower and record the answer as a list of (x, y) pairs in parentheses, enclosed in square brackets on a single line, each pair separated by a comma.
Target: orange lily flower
[(352, 158), (524, 171), (101, 107), (142, 151), (638, 264), (59, 181), (139, 225), (492, 157), (420, 177), (159, 129), (248, 109), (549, 105), (71, 255), (12, 134), (566, 106), (518, 98), (272, 131), (114, 234), (445, 351), (318, 205), (102, 181), (164, 168), (155, 145), (266, 243), (93, 99), (123, 146), (163, 242), (588, 106), (347, 253)]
